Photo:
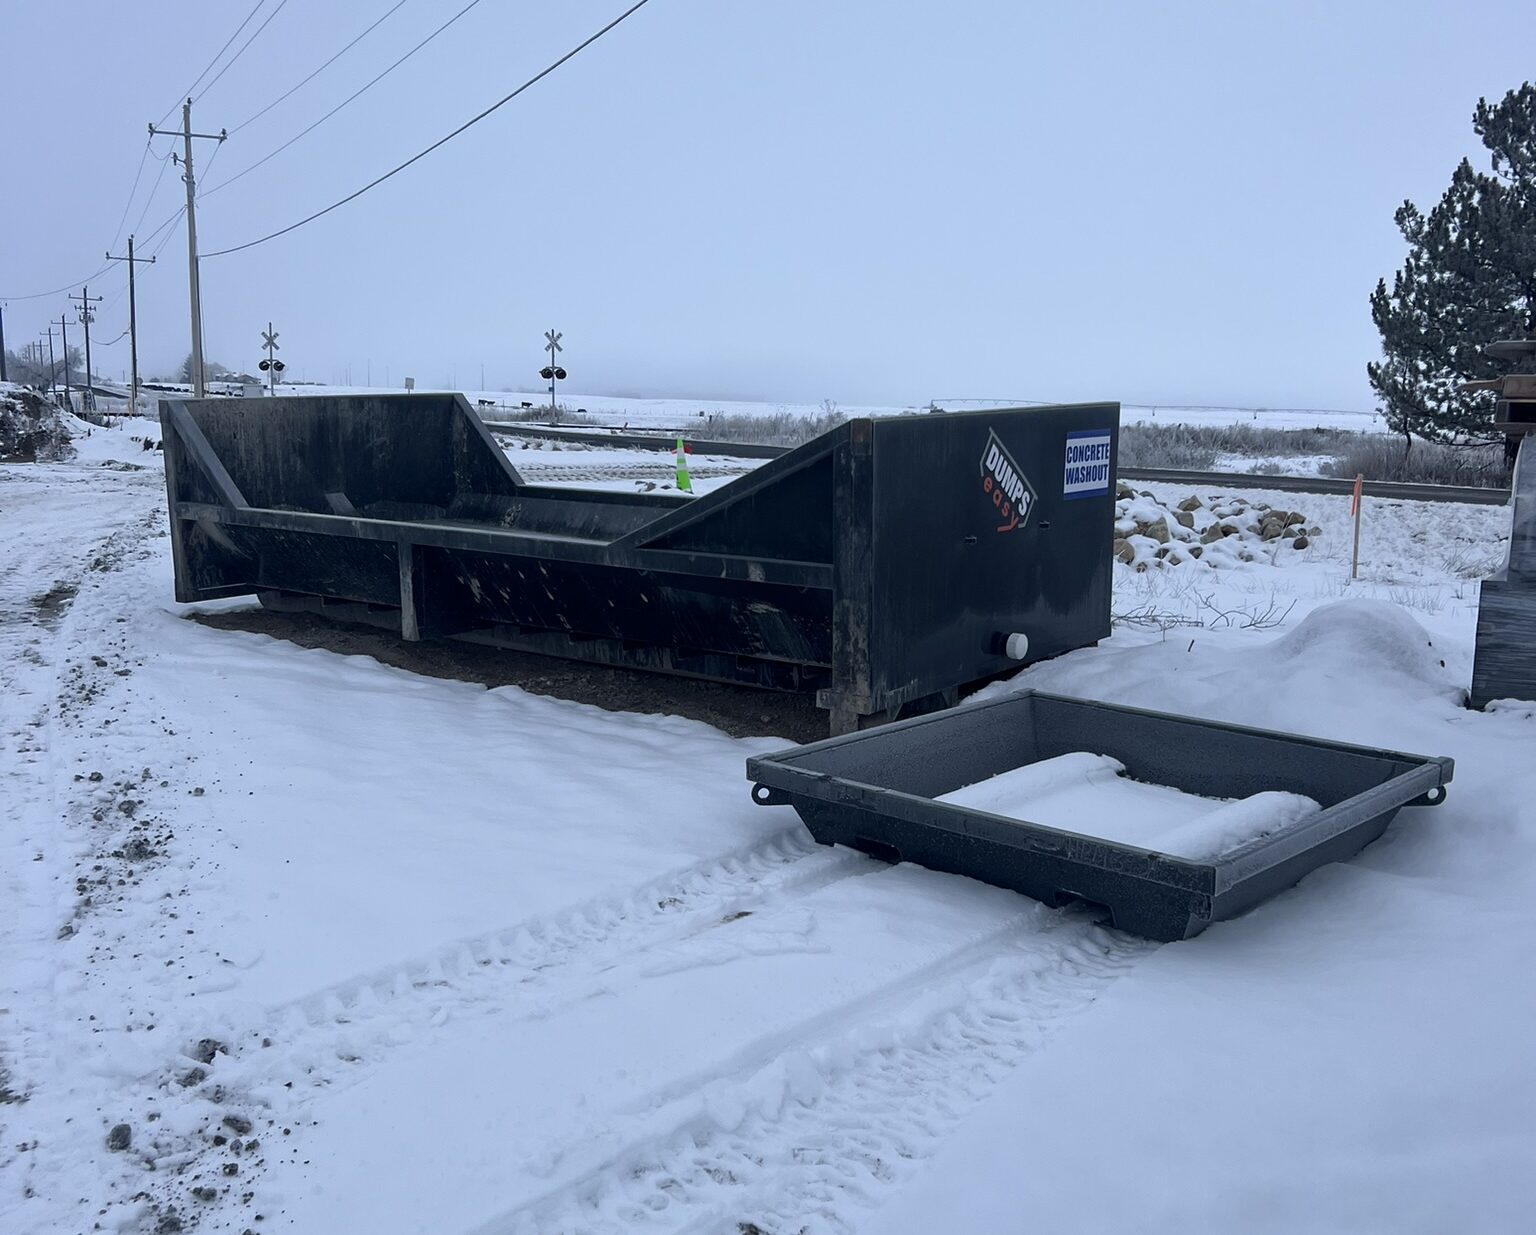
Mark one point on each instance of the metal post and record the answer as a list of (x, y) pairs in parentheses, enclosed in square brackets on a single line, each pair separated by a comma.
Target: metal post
[(193, 286), (552, 346), (269, 341)]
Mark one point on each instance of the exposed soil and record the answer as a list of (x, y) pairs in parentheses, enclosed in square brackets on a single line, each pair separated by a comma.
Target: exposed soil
[(737, 710)]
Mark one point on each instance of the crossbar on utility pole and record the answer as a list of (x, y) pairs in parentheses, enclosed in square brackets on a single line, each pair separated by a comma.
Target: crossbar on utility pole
[(88, 395), (193, 287), (133, 322)]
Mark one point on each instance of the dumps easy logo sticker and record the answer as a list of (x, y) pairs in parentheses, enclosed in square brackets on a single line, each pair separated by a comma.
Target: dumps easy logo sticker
[(1004, 485), (1086, 472)]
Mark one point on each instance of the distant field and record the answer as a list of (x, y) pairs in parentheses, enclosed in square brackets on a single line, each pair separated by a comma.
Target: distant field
[(1279, 441)]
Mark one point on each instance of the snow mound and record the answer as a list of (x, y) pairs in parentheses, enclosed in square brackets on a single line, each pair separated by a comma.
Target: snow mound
[(1358, 636), (31, 428)]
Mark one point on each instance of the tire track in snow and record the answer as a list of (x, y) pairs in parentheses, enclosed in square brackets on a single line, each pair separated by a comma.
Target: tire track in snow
[(577, 945), (526, 970), (337, 1036), (821, 1135)]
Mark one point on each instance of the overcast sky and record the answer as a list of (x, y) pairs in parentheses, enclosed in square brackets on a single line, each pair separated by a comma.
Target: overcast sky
[(870, 201)]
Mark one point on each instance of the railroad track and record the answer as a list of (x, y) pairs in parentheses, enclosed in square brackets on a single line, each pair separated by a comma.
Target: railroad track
[(1465, 494), (1319, 484)]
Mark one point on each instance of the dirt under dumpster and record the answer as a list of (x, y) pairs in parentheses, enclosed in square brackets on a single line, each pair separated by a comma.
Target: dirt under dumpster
[(885, 566)]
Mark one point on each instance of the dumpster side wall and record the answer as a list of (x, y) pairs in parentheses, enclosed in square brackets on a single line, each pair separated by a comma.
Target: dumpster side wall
[(985, 525)]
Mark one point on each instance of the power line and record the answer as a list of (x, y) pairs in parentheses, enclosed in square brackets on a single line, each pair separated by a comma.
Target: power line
[(56, 290), (254, 36), (212, 159), (153, 189), (166, 239), (211, 63), (367, 85), (378, 22), (128, 205), (537, 77), (164, 225), (112, 304)]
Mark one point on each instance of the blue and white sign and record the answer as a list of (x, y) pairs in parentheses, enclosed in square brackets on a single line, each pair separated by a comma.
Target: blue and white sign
[(1086, 471)]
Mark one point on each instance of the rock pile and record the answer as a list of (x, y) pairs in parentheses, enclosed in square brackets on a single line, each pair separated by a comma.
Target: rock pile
[(1220, 531)]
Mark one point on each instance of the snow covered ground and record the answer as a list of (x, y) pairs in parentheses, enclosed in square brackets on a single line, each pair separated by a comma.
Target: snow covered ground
[(321, 945), (643, 413), (578, 465)]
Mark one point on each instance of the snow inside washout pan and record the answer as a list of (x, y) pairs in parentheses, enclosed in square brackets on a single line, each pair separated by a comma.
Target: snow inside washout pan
[(1091, 795), (1168, 822)]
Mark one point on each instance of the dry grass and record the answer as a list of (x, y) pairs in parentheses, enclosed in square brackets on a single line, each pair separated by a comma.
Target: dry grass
[(1377, 457)]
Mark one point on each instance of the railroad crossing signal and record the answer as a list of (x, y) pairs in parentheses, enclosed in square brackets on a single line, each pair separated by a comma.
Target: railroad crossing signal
[(271, 366), (552, 372)]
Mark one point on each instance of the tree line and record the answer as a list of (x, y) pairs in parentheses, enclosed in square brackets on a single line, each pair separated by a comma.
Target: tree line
[(30, 367)]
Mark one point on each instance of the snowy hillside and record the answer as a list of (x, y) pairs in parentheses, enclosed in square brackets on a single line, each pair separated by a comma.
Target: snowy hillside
[(295, 941)]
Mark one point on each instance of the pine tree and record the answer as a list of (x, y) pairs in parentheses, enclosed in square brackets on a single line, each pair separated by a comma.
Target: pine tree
[(1470, 278)]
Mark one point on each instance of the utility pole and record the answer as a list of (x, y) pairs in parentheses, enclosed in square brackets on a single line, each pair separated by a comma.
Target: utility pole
[(88, 395), (64, 334), (52, 369), (186, 134), (3, 377), (133, 323)]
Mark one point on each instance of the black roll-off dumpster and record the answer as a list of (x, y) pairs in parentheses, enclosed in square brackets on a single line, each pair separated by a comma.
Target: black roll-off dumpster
[(885, 565)]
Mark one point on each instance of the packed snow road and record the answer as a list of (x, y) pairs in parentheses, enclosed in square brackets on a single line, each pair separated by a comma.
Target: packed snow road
[(297, 941), (546, 965)]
